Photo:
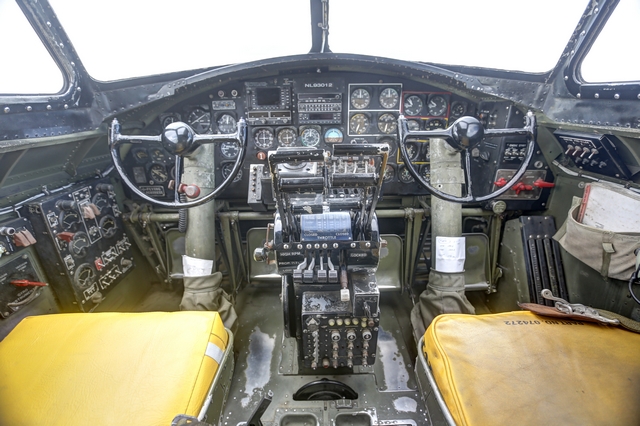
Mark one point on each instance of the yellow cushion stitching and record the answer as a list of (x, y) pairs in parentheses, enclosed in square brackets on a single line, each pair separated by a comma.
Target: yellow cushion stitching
[(193, 389)]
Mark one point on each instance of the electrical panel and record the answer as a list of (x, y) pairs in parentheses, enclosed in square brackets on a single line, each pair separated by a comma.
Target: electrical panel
[(20, 280), (81, 235)]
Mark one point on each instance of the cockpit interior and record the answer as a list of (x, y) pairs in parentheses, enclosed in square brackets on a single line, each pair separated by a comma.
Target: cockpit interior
[(325, 237)]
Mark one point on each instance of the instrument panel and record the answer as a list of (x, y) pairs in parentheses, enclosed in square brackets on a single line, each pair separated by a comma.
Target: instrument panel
[(309, 110)]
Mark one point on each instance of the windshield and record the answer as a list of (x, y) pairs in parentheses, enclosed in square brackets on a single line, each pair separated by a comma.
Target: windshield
[(119, 39), (501, 34)]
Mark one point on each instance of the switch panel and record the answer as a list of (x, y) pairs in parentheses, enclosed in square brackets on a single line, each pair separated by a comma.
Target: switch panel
[(81, 235)]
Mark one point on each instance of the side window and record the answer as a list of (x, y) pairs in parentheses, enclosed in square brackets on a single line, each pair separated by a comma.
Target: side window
[(613, 56), (26, 67)]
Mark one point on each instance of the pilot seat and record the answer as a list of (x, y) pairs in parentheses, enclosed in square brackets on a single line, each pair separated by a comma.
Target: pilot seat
[(115, 368), (526, 369)]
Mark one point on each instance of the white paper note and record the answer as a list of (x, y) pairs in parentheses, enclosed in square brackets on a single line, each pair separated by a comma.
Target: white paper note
[(194, 267), (450, 254)]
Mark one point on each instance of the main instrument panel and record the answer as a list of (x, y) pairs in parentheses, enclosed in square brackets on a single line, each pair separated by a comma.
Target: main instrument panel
[(324, 110)]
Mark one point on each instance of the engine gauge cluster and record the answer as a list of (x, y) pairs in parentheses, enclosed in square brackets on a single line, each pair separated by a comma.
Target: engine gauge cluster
[(305, 110), (85, 242)]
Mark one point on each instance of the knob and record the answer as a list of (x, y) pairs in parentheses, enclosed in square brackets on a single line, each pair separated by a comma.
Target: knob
[(335, 335), (366, 334), (104, 187), (467, 132), (351, 335), (177, 138)]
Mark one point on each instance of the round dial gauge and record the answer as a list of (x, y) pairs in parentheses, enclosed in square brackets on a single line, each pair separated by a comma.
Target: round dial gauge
[(101, 201), (169, 119), (389, 173), (200, 120), (108, 226), (158, 155), (227, 123), (140, 154), (287, 137), (413, 149), (68, 218), (333, 135), (158, 173), (310, 137), (360, 98), (437, 105), (413, 105), (425, 172), (358, 124), (458, 109), (263, 139), (79, 243), (389, 98), (434, 124), (229, 149), (387, 123), (84, 276), (404, 175), (226, 171), (413, 125)]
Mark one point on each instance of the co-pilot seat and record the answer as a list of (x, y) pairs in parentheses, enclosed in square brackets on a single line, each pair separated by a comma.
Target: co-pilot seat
[(113, 368), (521, 368)]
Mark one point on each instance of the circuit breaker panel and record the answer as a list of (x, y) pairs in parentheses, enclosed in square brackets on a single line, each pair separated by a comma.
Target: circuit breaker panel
[(80, 230)]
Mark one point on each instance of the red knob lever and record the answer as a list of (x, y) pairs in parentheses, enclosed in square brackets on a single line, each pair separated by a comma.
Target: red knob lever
[(191, 191), (542, 184), (27, 283), (500, 182), (520, 186)]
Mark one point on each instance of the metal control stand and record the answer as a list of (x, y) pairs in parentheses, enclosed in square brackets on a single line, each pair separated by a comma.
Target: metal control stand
[(327, 249)]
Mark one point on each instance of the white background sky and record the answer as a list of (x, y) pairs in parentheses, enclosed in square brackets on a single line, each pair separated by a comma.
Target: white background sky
[(125, 38)]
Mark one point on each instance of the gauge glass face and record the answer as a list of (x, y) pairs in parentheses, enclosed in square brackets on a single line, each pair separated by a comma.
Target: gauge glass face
[(84, 276), (68, 218), (425, 172), (458, 109), (359, 124), (389, 173), (169, 119), (387, 123), (158, 173), (287, 137), (434, 124), (333, 135), (226, 171), (413, 105), (199, 120), (141, 155), (413, 150), (227, 123), (263, 139), (360, 98), (229, 149), (413, 125), (437, 105), (101, 201), (405, 176), (310, 137), (108, 226), (79, 243), (158, 155), (389, 98)]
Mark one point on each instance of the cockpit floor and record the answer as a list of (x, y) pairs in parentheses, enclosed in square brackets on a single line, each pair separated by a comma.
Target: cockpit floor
[(266, 362)]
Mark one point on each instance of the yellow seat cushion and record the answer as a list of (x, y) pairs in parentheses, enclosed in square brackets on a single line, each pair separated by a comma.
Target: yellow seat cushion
[(108, 368), (519, 368)]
